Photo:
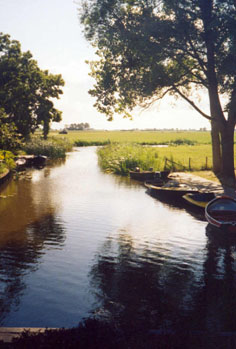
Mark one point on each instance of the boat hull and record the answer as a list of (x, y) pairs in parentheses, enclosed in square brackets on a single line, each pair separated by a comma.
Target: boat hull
[(199, 199), (221, 213), (173, 193)]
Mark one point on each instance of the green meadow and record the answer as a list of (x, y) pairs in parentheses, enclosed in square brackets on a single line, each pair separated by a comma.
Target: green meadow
[(142, 137), (125, 150)]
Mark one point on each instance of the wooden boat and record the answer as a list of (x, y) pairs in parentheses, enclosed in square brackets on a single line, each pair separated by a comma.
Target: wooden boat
[(199, 199), (20, 164), (148, 175), (142, 175), (171, 190), (221, 213), (31, 160)]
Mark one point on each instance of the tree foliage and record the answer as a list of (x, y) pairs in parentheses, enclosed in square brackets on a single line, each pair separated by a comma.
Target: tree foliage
[(80, 126), (26, 90), (151, 48), (9, 138)]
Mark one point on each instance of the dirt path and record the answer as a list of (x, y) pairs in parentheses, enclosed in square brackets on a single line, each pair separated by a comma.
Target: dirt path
[(200, 183)]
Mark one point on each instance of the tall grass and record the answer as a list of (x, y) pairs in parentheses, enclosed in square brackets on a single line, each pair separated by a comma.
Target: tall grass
[(53, 147), (120, 158)]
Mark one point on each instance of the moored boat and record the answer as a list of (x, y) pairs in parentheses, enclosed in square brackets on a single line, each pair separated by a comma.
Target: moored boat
[(221, 213), (143, 176), (171, 190), (199, 199), (31, 160)]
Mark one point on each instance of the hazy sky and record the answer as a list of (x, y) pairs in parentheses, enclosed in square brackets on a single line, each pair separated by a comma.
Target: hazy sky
[(50, 29)]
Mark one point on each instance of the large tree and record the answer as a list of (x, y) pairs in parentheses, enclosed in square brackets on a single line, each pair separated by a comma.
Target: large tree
[(152, 48), (26, 90)]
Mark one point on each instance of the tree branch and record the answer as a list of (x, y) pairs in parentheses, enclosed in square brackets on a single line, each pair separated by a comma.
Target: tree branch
[(192, 104)]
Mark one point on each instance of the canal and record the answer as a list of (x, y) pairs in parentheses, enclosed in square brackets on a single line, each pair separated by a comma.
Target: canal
[(75, 243)]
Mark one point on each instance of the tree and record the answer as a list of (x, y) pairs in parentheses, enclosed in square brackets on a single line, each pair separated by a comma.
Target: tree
[(151, 48), (26, 90), (9, 138), (81, 126)]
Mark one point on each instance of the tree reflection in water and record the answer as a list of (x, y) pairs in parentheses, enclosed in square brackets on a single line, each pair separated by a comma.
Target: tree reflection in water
[(19, 258), (140, 288), (217, 300)]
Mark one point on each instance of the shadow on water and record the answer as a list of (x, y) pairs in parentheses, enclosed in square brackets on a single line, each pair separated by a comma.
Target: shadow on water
[(180, 204), (143, 289), (25, 231)]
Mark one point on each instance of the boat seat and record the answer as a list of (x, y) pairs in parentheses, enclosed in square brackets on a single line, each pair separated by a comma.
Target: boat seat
[(224, 215)]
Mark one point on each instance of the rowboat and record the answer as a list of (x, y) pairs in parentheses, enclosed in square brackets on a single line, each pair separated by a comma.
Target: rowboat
[(221, 213), (199, 199), (142, 175), (148, 175), (173, 191)]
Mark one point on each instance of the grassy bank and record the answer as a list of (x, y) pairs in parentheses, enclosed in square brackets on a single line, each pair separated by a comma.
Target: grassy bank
[(6, 161), (53, 147), (120, 158)]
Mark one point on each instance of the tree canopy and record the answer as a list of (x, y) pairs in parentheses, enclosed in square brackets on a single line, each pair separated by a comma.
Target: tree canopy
[(151, 48), (26, 90)]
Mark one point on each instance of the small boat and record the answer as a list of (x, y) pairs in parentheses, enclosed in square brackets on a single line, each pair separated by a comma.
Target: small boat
[(20, 164), (148, 175), (199, 199), (171, 190), (221, 213), (31, 160), (142, 175), (39, 160)]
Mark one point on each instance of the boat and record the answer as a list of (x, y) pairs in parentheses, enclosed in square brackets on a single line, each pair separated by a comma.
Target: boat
[(171, 190), (148, 175), (142, 175), (199, 199), (221, 213), (20, 164), (31, 160)]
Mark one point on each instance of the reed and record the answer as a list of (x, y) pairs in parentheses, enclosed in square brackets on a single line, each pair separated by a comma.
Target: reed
[(120, 158), (53, 147)]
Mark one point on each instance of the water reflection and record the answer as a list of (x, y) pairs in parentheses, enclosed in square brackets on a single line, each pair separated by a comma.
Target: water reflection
[(217, 302), (74, 240), (143, 287), (19, 259)]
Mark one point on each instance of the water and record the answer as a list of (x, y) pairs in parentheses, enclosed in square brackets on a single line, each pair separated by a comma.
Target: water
[(75, 242)]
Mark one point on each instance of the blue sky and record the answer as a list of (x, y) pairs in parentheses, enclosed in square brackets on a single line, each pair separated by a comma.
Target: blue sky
[(50, 29)]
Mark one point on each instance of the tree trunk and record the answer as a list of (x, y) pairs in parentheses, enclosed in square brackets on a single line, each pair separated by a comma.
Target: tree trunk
[(227, 146), (216, 149)]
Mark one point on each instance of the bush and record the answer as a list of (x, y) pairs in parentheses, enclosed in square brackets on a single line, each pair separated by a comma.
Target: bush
[(53, 147), (120, 158), (6, 160)]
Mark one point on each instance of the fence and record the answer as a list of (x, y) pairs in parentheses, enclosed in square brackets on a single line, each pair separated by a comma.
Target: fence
[(192, 165)]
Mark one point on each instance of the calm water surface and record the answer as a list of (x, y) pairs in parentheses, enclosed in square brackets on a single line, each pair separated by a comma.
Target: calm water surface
[(76, 242)]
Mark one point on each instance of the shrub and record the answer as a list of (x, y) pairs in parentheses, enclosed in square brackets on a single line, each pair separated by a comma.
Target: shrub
[(53, 147)]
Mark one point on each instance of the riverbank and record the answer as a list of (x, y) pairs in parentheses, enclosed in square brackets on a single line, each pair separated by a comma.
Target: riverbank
[(4, 176)]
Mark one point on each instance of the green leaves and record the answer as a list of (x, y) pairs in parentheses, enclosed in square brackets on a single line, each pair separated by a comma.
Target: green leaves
[(26, 90)]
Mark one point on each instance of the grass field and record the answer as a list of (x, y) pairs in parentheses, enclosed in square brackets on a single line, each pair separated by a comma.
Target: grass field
[(148, 137), (186, 151)]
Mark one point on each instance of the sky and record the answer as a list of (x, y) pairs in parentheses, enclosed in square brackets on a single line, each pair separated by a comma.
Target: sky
[(51, 31)]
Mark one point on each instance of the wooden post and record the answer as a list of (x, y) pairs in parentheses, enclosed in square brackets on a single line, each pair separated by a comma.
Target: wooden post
[(206, 162), (189, 163), (165, 163)]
